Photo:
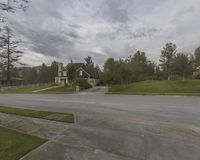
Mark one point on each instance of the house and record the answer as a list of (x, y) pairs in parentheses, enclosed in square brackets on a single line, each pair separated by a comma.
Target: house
[(62, 78), (81, 71), (197, 72)]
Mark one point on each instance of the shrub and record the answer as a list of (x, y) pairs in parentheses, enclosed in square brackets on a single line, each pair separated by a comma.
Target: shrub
[(82, 83)]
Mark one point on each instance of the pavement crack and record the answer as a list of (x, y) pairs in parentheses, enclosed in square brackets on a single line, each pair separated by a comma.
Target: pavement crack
[(145, 147)]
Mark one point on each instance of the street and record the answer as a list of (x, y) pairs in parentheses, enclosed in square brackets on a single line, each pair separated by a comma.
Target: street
[(120, 127)]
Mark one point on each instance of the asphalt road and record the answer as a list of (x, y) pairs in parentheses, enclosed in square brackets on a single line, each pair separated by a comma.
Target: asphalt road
[(126, 127)]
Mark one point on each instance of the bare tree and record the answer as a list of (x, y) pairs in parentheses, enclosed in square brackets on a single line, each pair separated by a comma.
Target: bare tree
[(9, 46), (12, 5), (9, 52)]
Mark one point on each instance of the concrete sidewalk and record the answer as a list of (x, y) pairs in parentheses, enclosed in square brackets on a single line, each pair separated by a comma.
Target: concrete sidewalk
[(46, 89), (146, 141)]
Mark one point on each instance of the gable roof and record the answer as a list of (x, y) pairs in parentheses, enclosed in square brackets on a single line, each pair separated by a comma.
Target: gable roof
[(84, 70), (91, 72), (75, 65)]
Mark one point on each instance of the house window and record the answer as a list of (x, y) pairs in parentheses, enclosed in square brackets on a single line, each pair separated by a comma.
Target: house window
[(64, 73), (60, 74), (81, 73)]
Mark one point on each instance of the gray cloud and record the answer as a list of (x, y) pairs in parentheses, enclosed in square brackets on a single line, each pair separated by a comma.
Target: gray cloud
[(74, 26), (143, 33), (114, 12), (74, 29)]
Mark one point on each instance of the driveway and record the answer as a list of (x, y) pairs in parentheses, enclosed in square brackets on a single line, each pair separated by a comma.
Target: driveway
[(94, 90), (117, 126)]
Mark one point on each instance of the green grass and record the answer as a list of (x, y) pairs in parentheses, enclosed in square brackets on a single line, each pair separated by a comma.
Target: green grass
[(14, 145), (68, 117), (173, 87), (59, 90), (27, 89)]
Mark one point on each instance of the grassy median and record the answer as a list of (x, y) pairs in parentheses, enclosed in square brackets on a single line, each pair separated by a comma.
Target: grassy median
[(162, 87), (55, 116), (14, 145)]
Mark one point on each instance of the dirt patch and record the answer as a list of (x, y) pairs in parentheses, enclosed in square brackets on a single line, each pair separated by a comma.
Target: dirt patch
[(56, 117)]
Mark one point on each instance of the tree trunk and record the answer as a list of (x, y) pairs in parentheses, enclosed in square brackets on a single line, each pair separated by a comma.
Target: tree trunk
[(8, 62), (183, 76)]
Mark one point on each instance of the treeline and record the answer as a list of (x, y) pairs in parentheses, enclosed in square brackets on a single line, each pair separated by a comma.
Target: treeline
[(29, 75), (40, 74), (173, 65), (137, 67)]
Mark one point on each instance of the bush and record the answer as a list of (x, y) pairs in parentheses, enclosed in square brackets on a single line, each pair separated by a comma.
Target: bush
[(82, 83)]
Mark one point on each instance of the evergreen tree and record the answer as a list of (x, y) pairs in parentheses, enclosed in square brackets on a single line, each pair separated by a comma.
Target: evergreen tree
[(197, 57), (43, 75), (138, 65), (182, 65), (167, 56), (53, 71)]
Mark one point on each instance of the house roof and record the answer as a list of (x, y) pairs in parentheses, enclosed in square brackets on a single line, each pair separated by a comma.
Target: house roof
[(92, 72), (75, 65), (84, 70)]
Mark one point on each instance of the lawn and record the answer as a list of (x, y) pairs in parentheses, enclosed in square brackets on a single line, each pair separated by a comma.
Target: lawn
[(176, 87), (14, 145), (32, 89), (62, 117), (26, 89)]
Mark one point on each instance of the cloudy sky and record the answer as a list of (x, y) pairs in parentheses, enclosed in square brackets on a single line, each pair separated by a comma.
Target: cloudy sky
[(73, 29)]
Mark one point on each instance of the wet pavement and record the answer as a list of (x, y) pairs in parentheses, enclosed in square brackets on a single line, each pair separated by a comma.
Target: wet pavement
[(111, 126)]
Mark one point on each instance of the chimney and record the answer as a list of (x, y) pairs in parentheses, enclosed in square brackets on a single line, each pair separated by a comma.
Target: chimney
[(60, 69)]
